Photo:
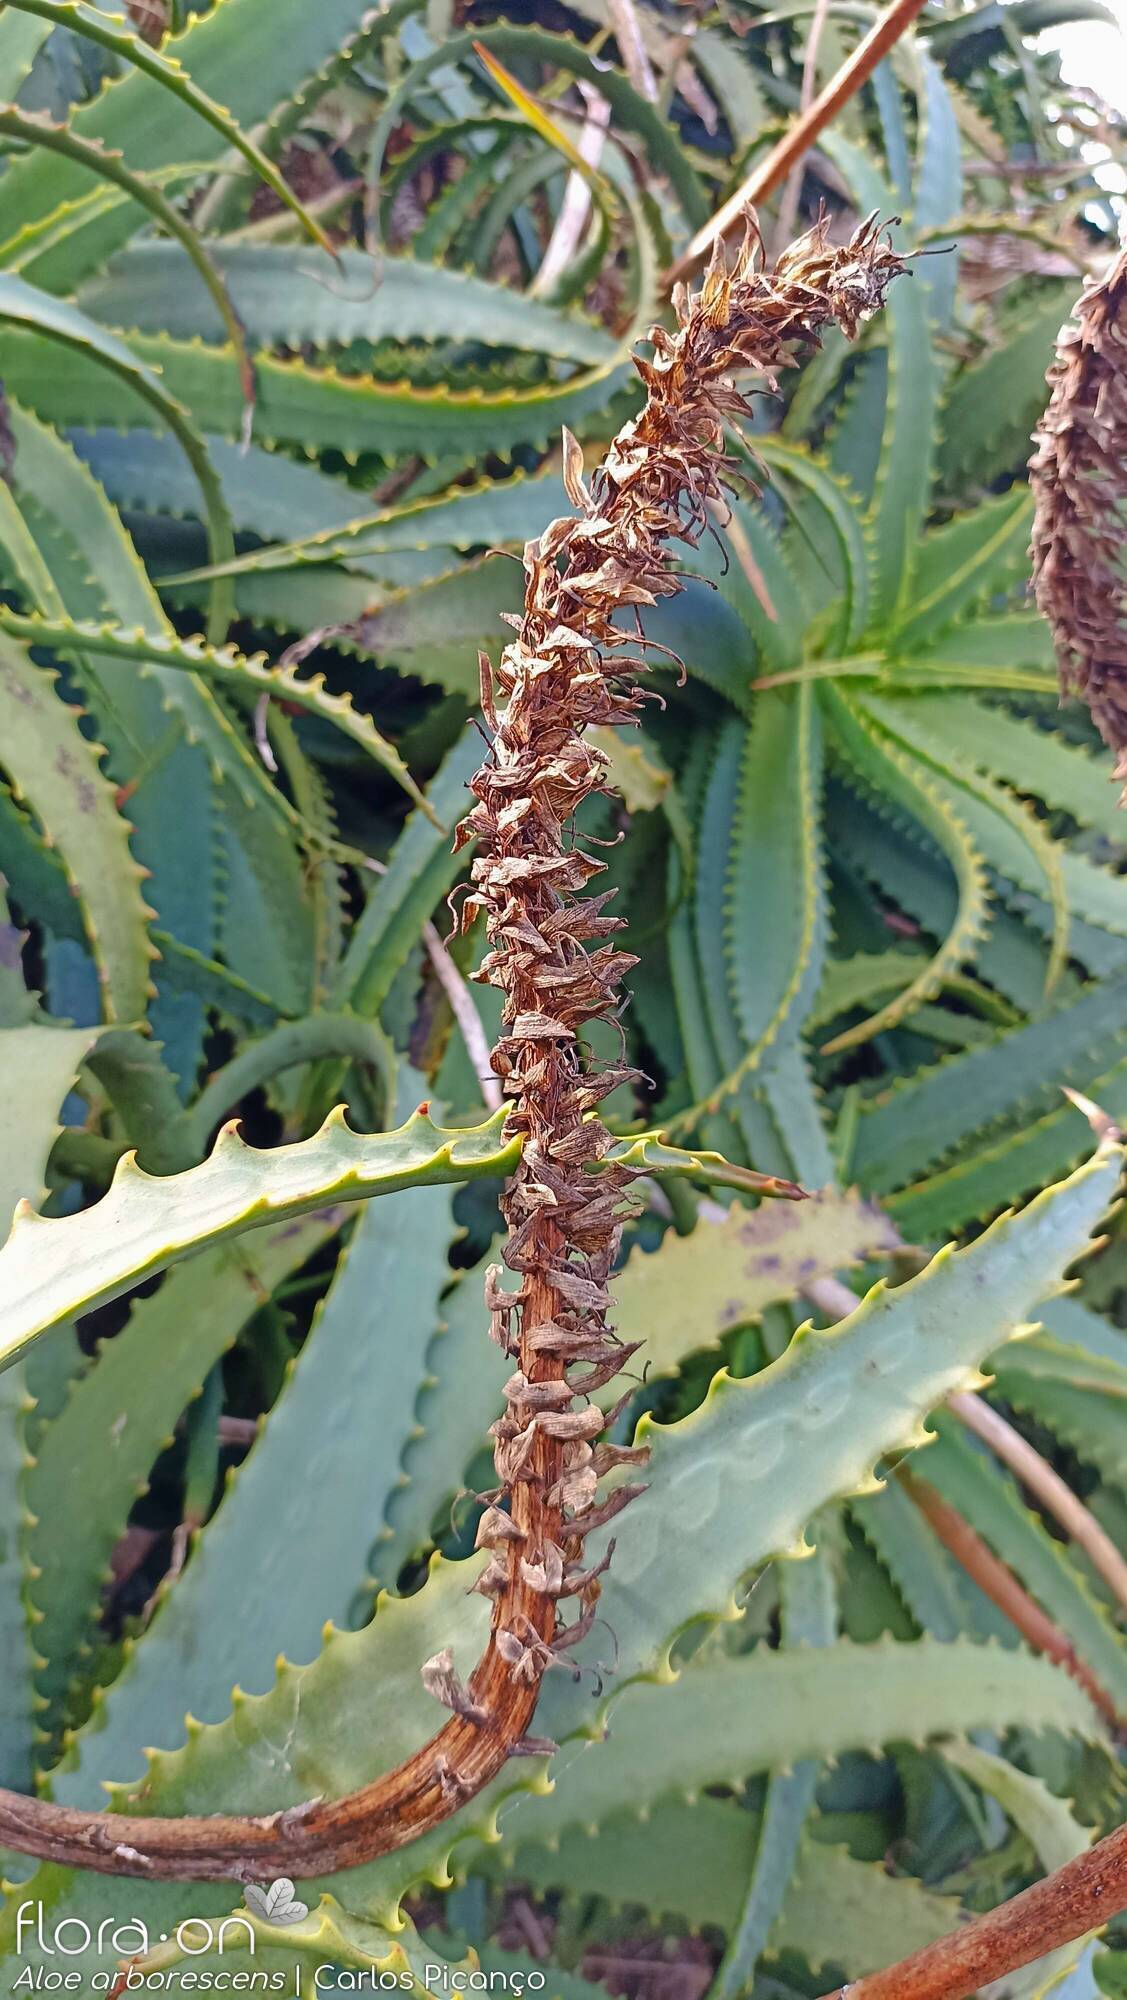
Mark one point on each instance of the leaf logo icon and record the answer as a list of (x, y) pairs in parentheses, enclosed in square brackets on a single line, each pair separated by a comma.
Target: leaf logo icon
[(277, 1904)]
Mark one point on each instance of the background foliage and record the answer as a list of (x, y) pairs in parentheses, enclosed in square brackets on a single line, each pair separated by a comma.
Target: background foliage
[(873, 872)]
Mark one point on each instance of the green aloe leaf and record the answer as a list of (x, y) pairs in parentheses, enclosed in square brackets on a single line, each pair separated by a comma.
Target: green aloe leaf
[(938, 194), (109, 167), (994, 403), (973, 1483), (919, 1120), (81, 19), (690, 1861), (902, 488), (507, 510), (52, 1269), (1010, 651), (885, 767), (720, 1721), (57, 320), (1003, 1170), (631, 111), (939, 1595), (1056, 1835), (690, 1292), (746, 1431), (808, 1618), (345, 1413), (224, 666), (58, 773), (314, 406), (775, 897), (38, 1066), (161, 128), (419, 873), (282, 299), (958, 565), (960, 779), (838, 506), (21, 38), (1030, 758), (460, 1394), (119, 1415)]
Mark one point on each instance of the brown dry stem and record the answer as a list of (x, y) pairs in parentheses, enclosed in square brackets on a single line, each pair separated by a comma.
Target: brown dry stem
[(1079, 477), (773, 169), (1077, 1898), (572, 664), (1001, 1586)]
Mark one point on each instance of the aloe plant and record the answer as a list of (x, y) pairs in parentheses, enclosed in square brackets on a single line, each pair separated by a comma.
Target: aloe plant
[(871, 874)]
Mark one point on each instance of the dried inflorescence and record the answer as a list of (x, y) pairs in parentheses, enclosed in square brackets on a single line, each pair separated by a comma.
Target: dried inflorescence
[(573, 665), (1079, 475), (551, 953)]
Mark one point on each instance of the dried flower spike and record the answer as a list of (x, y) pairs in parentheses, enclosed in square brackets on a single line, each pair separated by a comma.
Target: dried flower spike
[(1079, 476), (570, 665)]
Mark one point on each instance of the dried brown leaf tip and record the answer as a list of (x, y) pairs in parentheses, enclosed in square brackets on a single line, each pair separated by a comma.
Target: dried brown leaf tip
[(573, 665), (1079, 475)]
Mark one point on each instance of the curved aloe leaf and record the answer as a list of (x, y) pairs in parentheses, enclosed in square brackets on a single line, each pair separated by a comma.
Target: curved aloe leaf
[(21, 38), (986, 1497), (1004, 1170), (320, 407), (1013, 650), (902, 487), (1058, 1837), (118, 1418), (51, 1269), (959, 776), (364, 1356), (808, 1618), (691, 1861), (720, 1721), (881, 763), (789, 461), (56, 769), (281, 301), (96, 573), (775, 917), (778, 1446), (23, 305), (111, 167), (54, 1267), (918, 1122), (506, 510), (631, 111), (958, 565), (1030, 759), (995, 401), (38, 1064), (91, 22), (225, 666)]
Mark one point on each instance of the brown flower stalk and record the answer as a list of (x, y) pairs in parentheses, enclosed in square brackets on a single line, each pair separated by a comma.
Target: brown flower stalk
[(1001, 1586), (1079, 476), (569, 667), (1075, 1899)]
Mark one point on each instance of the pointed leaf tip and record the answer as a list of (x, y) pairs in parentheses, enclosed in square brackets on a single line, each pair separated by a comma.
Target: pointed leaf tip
[(1104, 1127)]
